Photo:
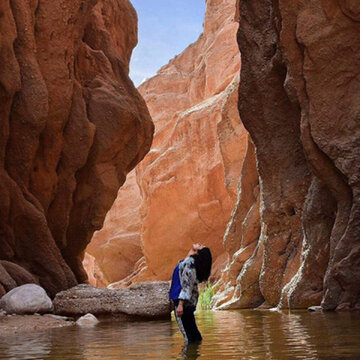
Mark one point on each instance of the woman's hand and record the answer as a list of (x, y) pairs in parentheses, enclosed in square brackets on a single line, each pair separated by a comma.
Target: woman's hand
[(180, 309)]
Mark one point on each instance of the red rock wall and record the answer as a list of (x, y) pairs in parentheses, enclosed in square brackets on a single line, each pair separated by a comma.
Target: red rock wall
[(189, 179), (117, 246), (299, 101), (72, 127)]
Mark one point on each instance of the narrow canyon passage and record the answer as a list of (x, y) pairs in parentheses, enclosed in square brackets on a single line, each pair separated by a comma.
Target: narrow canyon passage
[(248, 142), (273, 201), (186, 187)]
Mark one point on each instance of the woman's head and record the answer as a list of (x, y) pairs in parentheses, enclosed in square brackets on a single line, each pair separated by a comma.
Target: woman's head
[(203, 262)]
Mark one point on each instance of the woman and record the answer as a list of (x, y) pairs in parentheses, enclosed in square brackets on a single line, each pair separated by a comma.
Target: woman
[(191, 271)]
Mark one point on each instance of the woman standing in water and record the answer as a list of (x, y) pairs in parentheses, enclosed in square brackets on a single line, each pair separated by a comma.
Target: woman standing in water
[(188, 273)]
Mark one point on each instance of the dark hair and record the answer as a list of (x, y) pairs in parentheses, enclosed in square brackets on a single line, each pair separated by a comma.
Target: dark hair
[(203, 262)]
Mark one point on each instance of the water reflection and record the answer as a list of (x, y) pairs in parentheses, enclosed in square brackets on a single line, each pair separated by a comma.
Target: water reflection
[(191, 351), (227, 335)]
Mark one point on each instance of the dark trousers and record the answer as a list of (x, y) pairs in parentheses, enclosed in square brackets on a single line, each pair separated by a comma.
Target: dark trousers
[(187, 324)]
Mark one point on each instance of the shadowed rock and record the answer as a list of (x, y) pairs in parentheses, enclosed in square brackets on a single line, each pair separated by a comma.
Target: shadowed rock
[(72, 127), (299, 101)]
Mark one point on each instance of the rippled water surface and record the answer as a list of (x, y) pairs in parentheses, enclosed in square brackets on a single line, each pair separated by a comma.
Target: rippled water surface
[(227, 335)]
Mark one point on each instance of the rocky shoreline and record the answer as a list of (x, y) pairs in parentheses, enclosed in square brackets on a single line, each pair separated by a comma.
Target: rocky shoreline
[(24, 311)]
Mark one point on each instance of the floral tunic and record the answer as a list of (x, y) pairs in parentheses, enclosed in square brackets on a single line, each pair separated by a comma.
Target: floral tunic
[(189, 283)]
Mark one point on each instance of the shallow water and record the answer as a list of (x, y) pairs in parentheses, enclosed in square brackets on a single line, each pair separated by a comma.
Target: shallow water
[(227, 335)]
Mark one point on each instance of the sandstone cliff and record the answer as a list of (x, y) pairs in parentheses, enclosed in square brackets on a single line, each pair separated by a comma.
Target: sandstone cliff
[(72, 127), (117, 246), (299, 101), (188, 181)]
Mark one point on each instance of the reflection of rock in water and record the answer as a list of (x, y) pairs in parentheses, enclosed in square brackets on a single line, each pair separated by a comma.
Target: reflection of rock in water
[(191, 351), (26, 347), (246, 335)]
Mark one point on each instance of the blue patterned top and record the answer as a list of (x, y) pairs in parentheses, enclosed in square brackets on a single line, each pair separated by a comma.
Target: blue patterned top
[(189, 283)]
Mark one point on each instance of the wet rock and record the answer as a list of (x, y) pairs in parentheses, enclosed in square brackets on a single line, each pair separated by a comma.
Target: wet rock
[(87, 320), (26, 299), (73, 127), (147, 300), (58, 317), (315, 309)]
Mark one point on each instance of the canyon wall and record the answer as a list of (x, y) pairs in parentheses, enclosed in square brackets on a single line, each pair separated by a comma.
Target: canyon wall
[(116, 248), (72, 127), (299, 101), (188, 181)]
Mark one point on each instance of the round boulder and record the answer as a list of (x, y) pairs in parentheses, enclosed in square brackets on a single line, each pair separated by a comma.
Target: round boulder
[(26, 299), (87, 320)]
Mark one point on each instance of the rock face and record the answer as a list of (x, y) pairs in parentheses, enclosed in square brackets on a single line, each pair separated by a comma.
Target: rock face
[(26, 299), (188, 181), (299, 101), (95, 275), (147, 300), (116, 248), (73, 126)]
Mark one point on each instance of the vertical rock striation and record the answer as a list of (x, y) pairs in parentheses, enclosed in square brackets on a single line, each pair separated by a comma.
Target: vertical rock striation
[(72, 127), (299, 101)]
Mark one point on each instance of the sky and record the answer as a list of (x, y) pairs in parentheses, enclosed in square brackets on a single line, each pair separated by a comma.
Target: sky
[(166, 28)]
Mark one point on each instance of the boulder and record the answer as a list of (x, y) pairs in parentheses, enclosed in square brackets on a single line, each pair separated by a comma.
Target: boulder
[(147, 300), (87, 320), (26, 299), (315, 309)]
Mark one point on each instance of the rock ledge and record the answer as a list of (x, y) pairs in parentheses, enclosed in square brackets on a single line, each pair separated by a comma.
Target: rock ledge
[(148, 300)]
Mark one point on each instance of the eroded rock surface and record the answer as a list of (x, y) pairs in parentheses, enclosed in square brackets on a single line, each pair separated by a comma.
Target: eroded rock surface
[(299, 101), (73, 126), (116, 248), (189, 179)]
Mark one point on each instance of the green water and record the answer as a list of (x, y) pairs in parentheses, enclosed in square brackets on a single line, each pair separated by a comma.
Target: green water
[(227, 335)]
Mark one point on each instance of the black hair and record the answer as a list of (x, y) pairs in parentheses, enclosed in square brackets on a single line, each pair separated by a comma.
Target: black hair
[(203, 262)]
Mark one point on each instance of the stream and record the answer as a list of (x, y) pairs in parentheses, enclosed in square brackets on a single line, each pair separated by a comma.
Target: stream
[(247, 334)]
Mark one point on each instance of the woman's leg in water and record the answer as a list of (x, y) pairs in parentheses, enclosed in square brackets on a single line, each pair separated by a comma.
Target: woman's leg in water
[(187, 325)]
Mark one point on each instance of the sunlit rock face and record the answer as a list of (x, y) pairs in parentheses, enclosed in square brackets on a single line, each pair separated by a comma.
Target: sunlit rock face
[(188, 181), (72, 127), (299, 102), (117, 246)]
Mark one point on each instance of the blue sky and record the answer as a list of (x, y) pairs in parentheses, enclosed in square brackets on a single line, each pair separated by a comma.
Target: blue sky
[(166, 28)]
